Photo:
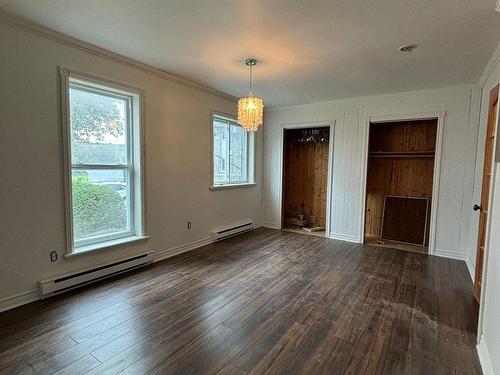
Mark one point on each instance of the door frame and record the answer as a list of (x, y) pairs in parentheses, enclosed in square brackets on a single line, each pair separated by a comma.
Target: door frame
[(305, 125), (376, 118), (492, 171), (480, 324)]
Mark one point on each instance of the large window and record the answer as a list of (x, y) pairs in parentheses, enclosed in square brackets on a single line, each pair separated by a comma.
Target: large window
[(232, 153), (104, 165)]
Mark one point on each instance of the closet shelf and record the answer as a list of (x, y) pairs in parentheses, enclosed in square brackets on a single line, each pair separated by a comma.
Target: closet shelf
[(402, 154)]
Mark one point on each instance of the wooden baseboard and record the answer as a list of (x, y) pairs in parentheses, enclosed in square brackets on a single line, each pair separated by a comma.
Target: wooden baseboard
[(470, 267), (344, 237), (450, 254), (269, 224), (19, 299), (168, 253)]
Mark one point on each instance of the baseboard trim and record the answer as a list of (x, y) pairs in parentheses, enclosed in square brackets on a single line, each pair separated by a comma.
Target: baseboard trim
[(344, 237), (484, 357), (470, 268), (269, 224), (168, 253), (450, 254), (19, 299)]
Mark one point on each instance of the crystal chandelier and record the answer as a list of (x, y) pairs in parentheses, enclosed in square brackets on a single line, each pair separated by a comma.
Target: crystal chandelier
[(250, 108)]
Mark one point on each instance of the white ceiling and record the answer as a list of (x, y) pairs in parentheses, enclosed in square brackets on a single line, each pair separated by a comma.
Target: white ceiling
[(308, 51)]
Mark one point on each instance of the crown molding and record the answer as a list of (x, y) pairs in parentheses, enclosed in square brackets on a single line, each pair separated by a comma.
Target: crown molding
[(494, 60), (51, 34)]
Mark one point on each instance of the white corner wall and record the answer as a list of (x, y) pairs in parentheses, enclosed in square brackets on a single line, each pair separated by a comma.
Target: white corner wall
[(489, 315), (454, 213), (31, 167)]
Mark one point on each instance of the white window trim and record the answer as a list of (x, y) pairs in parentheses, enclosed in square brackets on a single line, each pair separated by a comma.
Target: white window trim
[(251, 139), (138, 224)]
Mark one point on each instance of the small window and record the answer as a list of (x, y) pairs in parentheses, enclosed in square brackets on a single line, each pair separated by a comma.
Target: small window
[(233, 152), (104, 201)]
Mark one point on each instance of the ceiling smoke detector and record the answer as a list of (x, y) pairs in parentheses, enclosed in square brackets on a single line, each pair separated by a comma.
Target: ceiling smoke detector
[(408, 47)]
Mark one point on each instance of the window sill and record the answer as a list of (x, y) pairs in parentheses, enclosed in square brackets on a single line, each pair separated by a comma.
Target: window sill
[(234, 186), (87, 249)]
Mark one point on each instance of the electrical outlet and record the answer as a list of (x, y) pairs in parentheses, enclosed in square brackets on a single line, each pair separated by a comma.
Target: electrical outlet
[(189, 224), (53, 256)]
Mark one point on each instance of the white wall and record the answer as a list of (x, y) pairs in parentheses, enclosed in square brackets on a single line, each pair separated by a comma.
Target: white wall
[(457, 169), (489, 316), (31, 170)]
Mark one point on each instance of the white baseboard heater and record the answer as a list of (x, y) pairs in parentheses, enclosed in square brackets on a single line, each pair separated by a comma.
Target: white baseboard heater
[(232, 231), (78, 279)]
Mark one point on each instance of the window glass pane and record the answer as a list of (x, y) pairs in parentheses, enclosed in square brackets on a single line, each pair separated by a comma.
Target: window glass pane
[(221, 151), (230, 146), (98, 127), (101, 200), (238, 153)]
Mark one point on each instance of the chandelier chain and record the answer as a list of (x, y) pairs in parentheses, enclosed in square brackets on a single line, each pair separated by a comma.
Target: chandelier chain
[(250, 85)]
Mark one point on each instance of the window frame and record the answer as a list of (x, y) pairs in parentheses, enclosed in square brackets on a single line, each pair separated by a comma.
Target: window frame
[(250, 157), (134, 168)]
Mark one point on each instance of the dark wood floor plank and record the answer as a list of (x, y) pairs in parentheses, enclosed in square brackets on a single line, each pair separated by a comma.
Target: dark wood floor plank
[(263, 302), (186, 360), (82, 366), (277, 358), (230, 369), (177, 320), (32, 341)]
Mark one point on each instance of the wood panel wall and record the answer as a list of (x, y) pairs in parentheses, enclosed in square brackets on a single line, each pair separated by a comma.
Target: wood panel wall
[(403, 136), (305, 178), (401, 162)]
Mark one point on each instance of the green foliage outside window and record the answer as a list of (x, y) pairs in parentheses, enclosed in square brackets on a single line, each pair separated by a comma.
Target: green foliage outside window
[(94, 116), (97, 209)]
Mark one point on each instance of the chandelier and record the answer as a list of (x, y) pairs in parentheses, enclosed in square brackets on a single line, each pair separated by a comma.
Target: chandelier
[(250, 108)]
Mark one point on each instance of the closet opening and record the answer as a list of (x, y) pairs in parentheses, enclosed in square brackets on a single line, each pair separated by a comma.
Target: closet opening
[(399, 184), (305, 180)]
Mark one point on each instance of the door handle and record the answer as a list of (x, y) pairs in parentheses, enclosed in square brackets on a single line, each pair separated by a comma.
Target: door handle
[(476, 207)]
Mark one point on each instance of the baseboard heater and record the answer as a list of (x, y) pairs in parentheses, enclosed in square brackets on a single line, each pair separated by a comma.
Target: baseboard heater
[(78, 279), (232, 231)]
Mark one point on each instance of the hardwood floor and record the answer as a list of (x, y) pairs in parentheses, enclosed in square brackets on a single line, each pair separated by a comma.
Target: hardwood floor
[(264, 302)]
